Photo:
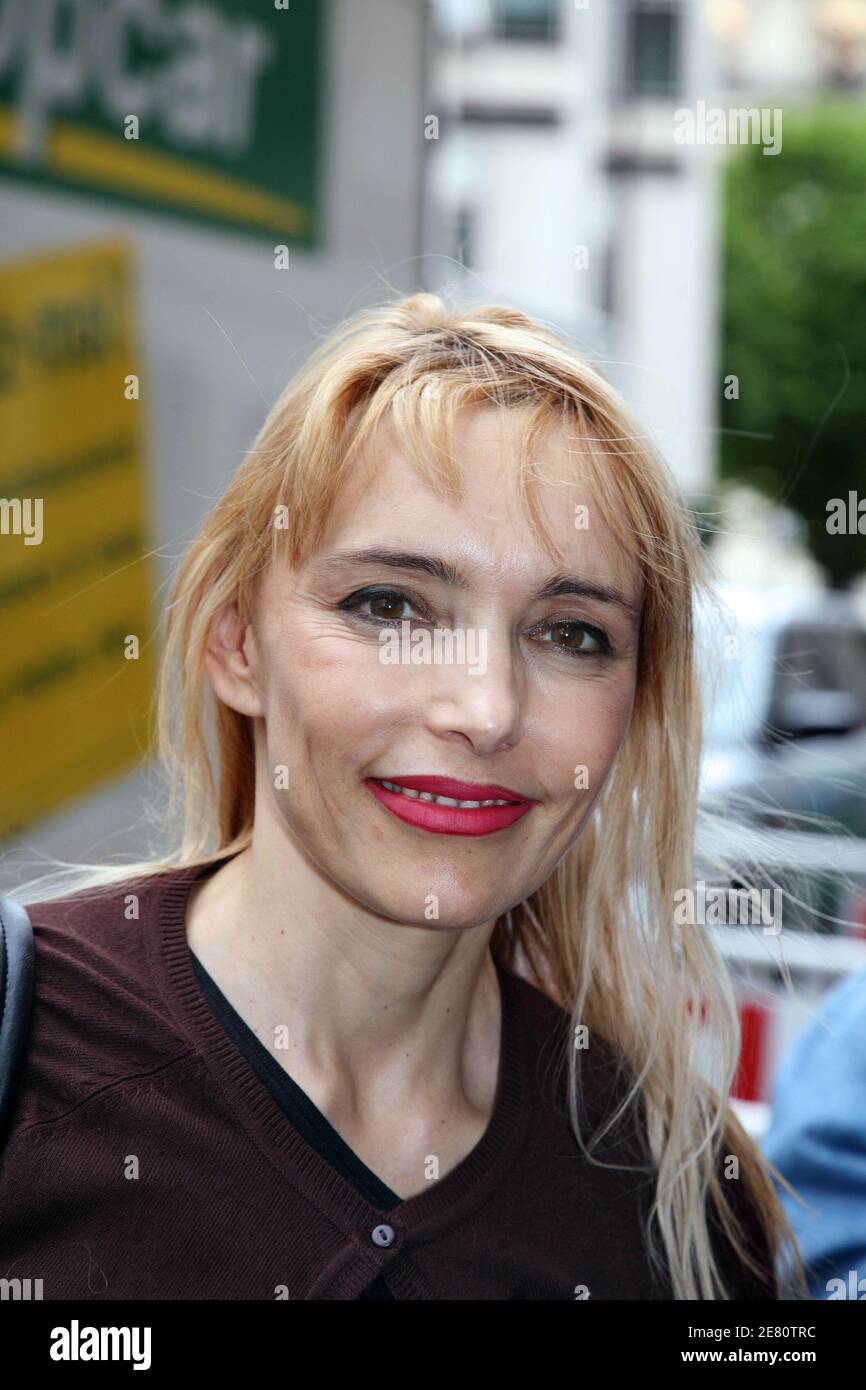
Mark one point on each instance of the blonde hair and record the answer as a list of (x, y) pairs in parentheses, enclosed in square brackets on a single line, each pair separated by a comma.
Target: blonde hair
[(599, 935)]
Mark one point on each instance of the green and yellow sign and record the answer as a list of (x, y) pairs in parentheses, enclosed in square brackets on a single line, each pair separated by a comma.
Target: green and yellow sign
[(205, 109), (77, 658)]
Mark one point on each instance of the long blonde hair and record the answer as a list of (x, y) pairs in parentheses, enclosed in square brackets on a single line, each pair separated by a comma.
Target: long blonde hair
[(599, 935)]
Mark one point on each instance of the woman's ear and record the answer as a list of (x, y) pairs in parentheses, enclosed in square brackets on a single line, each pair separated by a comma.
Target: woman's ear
[(232, 662)]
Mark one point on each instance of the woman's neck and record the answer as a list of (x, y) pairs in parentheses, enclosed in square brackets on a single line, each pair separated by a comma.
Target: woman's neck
[(380, 1023)]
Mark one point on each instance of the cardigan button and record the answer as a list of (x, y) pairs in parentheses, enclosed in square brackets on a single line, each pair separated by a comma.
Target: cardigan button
[(383, 1235)]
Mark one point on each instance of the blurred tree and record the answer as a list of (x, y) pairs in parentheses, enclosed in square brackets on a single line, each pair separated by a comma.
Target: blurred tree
[(794, 324)]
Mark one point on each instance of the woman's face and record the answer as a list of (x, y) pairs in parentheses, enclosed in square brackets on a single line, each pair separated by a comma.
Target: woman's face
[(530, 710)]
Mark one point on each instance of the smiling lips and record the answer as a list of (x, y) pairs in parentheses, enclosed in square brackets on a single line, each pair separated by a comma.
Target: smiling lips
[(447, 807)]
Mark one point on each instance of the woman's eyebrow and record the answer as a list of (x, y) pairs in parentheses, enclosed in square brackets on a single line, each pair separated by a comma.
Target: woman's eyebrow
[(558, 586)]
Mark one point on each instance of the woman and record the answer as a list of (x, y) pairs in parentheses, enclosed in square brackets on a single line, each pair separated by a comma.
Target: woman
[(406, 1015)]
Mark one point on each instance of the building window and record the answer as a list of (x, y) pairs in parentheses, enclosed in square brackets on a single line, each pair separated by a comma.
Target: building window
[(532, 20), (653, 38)]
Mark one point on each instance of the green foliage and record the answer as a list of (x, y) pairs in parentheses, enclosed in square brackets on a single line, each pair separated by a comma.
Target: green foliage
[(794, 321)]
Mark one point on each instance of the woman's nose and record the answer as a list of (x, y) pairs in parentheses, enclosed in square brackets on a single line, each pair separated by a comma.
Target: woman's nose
[(482, 700)]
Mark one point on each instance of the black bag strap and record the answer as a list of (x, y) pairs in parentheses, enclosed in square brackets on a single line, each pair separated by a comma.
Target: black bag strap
[(17, 973)]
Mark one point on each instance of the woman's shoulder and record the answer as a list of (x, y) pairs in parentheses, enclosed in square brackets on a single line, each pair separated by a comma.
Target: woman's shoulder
[(601, 1059), (606, 1080), (98, 1014), (92, 932), (106, 917), (604, 1076)]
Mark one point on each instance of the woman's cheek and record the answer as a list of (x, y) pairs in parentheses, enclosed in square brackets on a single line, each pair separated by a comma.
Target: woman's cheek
[(587, 733)]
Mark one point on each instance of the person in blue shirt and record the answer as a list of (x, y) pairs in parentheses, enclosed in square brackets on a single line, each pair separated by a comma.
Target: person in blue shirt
[(817, 1140)]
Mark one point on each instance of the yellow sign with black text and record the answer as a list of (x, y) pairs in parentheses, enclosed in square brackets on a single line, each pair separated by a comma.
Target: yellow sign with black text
[(76, 626)]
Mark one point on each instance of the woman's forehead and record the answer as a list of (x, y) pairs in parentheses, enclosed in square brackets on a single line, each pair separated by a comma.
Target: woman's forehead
[(485, 527)]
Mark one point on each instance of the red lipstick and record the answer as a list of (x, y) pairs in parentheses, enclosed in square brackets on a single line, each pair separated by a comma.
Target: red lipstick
[(451, 820)]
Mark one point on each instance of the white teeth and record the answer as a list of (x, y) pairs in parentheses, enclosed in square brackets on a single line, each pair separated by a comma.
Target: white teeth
[(442, 800)]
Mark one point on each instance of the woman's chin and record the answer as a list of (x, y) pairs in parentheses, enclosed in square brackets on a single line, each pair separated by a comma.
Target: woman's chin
[(440, 915)]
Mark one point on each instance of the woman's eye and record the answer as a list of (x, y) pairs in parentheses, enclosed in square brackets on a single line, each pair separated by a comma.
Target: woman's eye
[(385, 606), (579, 639)]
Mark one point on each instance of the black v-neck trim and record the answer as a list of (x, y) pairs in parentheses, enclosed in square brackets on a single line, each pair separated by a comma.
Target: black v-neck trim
[(293, 1099)]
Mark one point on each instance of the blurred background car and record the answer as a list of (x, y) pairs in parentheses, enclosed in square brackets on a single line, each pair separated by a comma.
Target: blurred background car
[(785, 766), (786, 692)]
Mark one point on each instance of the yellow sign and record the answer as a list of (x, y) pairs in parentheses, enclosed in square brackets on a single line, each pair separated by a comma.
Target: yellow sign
[(76, 634)]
